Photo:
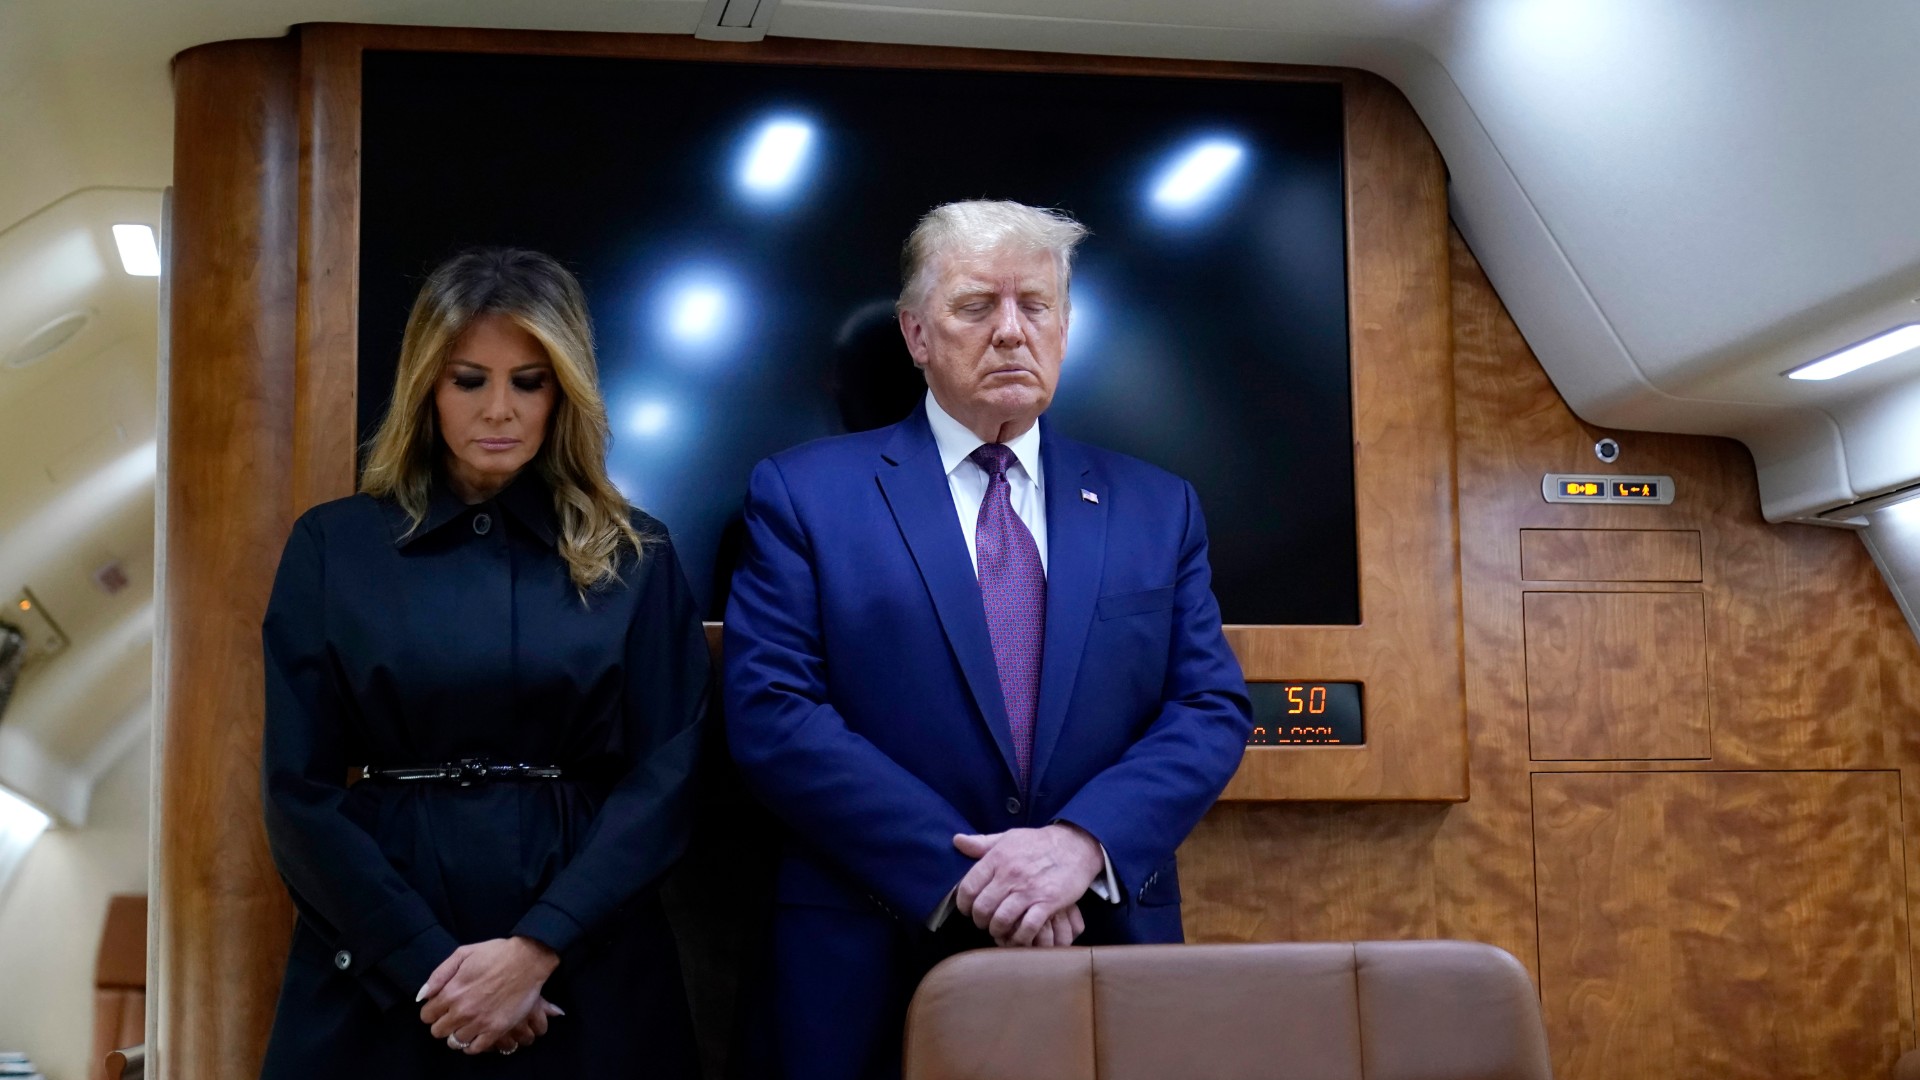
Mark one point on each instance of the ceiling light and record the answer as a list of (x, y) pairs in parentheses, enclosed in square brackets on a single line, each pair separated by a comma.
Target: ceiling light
[(1197, 174), (1871, 351), (773, 159), (138, 252)]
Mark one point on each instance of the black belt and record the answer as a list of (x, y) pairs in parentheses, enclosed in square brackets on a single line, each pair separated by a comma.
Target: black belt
[(466, 772)]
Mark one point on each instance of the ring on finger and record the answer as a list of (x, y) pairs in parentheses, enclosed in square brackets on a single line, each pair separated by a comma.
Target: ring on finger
[(454, 1043), (505, 1050)]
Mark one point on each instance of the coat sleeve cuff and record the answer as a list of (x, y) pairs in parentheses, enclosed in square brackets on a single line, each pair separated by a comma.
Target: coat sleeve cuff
[(397, 977), (549, 926)]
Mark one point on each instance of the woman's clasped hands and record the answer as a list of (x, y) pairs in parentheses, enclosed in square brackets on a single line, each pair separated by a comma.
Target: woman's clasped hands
[(486, 996)]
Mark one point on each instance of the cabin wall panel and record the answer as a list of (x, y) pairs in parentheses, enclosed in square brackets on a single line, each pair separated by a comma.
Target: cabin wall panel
[(1616, 675), (1610, 555), (1685, 931), (1784, 606)]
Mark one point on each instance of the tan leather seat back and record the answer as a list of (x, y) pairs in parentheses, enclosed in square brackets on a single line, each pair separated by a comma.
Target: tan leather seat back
[(1024, 1014), (120, 979), (1416, 1010)]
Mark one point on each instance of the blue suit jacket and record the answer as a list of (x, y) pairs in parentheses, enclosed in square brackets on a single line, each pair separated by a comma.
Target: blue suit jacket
[(864, 708)]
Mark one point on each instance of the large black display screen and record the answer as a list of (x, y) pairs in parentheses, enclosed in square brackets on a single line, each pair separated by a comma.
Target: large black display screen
[(737, 228)]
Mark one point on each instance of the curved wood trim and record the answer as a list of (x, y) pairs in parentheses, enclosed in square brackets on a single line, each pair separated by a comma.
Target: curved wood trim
[(325, 386), (220, 920)]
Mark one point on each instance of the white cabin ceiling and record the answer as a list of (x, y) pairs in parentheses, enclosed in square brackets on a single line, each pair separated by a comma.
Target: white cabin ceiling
[(1678, 202)]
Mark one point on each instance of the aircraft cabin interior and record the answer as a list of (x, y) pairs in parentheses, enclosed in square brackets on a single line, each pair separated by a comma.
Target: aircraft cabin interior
[(1453, 552)]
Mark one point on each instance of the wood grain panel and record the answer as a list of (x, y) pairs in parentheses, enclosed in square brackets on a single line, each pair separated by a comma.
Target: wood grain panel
[(1610, 555), (1616, 675), (220, 918), (1796, 678), (1720, 925), (1266, 872)]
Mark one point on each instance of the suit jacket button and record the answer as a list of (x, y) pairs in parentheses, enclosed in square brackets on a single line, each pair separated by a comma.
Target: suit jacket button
[(343, 959), (1013, 805)]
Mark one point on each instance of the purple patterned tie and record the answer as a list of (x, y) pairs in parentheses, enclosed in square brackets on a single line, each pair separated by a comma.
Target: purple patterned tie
[(1013, 586)]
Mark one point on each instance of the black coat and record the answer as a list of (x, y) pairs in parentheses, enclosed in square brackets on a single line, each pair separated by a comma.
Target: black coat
[(466, 638)]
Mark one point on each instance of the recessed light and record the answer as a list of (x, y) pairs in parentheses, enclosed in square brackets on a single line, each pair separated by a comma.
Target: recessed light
[(1854, 357), (139, 254)]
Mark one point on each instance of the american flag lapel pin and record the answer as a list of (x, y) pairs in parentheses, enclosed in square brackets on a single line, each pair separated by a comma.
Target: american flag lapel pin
[(1089, 496)]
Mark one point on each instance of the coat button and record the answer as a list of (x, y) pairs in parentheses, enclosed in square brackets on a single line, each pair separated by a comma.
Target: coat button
[(481, 523), (1013, 805), (343, 959)]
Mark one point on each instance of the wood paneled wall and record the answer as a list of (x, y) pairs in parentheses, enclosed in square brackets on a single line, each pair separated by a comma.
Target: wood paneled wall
[(1692, 735)]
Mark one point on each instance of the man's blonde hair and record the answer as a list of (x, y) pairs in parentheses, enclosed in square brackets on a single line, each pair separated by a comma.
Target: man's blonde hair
[(979, 226)]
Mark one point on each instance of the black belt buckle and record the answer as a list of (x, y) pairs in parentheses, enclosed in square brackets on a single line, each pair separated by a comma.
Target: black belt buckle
[(469, 771), (465, 772)]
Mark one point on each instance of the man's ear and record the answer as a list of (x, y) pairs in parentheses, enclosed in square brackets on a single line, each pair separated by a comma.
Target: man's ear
[(914, 329)]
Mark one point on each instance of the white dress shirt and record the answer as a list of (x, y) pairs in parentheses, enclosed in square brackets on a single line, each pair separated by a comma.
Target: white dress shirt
[(1026, 490), (1026, 480)]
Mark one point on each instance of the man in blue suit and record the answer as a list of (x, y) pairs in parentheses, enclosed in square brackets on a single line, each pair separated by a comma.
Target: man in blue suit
[(975, 667)]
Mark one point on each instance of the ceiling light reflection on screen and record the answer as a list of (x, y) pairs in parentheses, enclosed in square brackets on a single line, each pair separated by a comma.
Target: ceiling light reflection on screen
[(696, 313), (1082, 320), (1197, 174), (774, 157), (650, 418)]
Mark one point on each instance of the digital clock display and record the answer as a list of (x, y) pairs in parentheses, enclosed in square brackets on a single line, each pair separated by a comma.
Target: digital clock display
[(1306, 714)]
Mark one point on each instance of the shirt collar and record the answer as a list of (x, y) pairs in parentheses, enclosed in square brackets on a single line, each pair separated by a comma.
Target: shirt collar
[(955, 442), (527, 499)]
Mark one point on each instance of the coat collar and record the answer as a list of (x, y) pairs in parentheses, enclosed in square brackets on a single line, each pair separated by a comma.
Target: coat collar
[(528, 500)]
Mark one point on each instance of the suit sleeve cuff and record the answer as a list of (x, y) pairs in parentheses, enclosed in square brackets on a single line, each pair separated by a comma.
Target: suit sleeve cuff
[(549, 926)]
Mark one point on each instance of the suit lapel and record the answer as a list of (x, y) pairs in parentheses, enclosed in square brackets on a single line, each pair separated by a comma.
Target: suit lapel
[(1076, 553), (916, 491)]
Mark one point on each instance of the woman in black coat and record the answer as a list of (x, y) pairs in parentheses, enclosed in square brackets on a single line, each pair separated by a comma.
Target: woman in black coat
[(508, 658)]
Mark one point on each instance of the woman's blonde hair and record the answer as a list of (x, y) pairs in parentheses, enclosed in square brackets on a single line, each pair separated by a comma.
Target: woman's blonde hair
[(539, 295)]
